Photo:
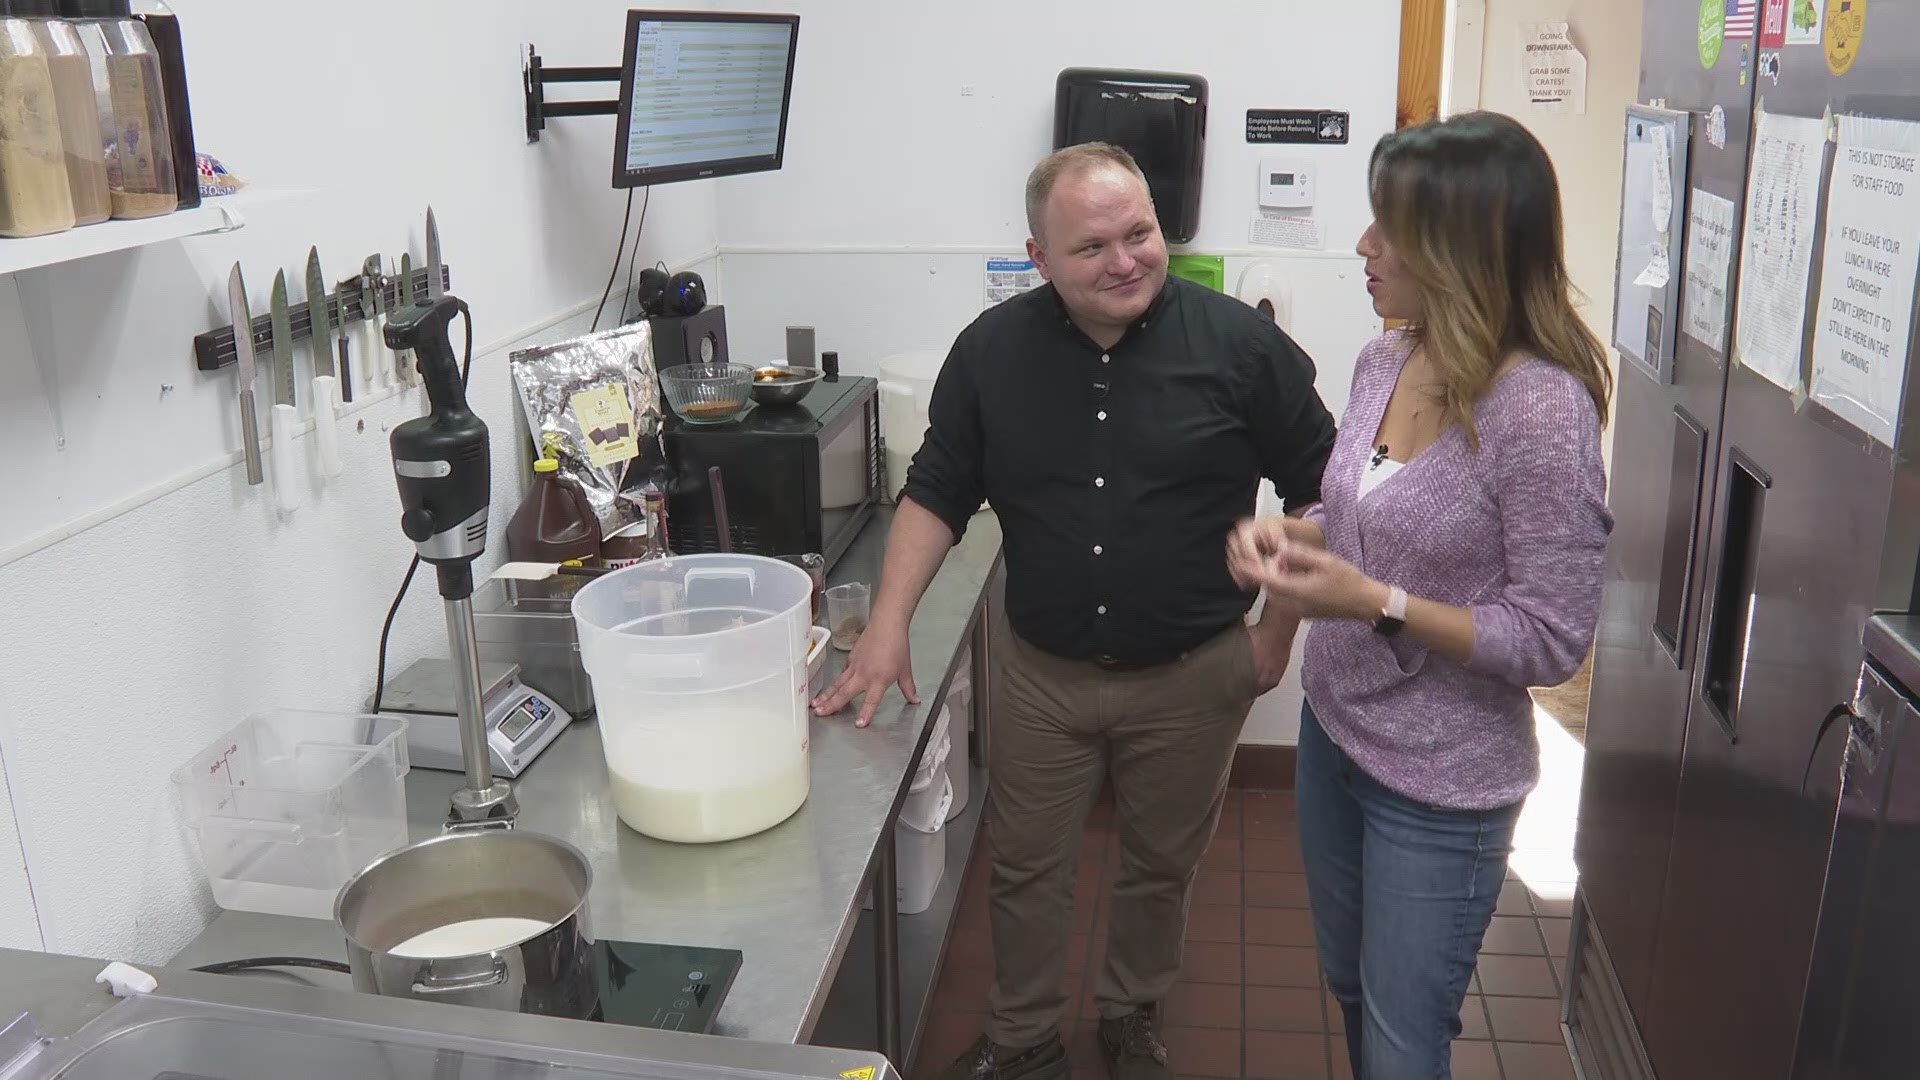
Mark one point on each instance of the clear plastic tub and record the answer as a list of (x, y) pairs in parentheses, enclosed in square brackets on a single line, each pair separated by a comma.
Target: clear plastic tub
[(289, 805), (530, 623), (699, 669)]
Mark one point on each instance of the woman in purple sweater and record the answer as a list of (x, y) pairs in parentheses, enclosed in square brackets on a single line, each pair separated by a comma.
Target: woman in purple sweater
[(1456, 561)]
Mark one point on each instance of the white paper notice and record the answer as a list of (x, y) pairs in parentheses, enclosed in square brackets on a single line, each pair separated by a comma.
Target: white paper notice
[(1287, 231), (1657, 273), (1010, 275), (1662, 178), (1865, 318), (1709, 264), (1783, 193), (1554, 72)]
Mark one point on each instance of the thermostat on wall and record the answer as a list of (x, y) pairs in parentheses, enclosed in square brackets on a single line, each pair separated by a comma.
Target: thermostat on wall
[(1285, 184)]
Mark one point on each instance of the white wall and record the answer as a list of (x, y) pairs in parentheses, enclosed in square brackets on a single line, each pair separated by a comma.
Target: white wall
[(1586, 149), (908, 149), (154, 597)]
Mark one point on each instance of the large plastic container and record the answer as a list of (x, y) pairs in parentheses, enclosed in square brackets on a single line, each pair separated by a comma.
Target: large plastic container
[(906, 390), (289, 805), (699, 669), (955, 716)]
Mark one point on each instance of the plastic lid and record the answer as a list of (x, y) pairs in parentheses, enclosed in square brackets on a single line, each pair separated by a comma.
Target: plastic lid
[(544, 465)]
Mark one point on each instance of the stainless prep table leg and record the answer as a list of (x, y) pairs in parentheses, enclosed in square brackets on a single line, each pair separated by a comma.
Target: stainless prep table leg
[(886, 951)]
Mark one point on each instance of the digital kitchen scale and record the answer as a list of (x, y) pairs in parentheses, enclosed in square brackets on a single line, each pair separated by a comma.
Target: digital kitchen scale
[(673, 987), (521, 721)]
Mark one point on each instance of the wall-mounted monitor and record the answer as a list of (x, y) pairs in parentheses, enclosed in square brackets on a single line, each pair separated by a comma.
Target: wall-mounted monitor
[(702, 94)]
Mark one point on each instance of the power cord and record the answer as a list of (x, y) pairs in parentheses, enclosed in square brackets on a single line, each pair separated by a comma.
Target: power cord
[(626, 221), (231, 967), (626, 297), (386, 628)]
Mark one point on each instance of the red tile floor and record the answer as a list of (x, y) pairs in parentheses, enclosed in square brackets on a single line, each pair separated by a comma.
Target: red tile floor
[(1251, 1002)]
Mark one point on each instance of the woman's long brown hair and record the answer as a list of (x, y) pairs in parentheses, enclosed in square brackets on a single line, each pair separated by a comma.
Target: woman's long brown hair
[(1472, 208)]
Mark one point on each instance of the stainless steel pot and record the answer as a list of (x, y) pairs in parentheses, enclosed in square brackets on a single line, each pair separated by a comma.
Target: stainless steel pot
[(475, 875)]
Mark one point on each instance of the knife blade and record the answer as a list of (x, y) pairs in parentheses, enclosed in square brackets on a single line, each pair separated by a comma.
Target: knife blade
[(245, 368), (326, 434), (435, 288), (407, 370), (285, 413)]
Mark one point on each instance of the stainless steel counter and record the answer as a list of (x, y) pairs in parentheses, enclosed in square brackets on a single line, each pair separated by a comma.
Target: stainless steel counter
[(787, 898), (263, 1027)]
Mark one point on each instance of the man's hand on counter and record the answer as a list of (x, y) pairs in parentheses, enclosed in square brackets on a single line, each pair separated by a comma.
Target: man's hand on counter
[(882, 658)]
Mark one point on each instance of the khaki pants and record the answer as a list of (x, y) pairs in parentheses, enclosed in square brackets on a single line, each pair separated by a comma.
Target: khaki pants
[(1166, 735)]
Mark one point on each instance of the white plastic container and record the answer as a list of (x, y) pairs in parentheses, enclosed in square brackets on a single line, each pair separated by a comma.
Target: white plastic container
[(289, 805), (954, 715), (920, 848), (906, 388), (699, 669)]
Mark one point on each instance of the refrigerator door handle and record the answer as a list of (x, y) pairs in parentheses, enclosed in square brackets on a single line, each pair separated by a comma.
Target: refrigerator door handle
[(1685, 483), (1729, 620)]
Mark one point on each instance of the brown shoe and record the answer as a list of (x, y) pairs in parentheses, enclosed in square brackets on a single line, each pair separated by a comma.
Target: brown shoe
[(987, 1061), (1133, 1048)]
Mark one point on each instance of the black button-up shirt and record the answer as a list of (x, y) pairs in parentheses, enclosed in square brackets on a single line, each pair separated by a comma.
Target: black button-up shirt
[(1117, 474)]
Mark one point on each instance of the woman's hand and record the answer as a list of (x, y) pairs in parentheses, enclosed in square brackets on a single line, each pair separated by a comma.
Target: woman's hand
[(1317, 584), (1256, 541)]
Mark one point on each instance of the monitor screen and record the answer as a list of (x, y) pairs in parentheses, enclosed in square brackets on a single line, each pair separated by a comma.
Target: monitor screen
[(702, 93)]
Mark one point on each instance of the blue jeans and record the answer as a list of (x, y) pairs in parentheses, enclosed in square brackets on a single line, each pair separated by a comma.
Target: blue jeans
[(1402, 893)]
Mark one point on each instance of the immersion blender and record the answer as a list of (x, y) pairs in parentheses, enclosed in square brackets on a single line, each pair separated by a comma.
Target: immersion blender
[(441, 463)]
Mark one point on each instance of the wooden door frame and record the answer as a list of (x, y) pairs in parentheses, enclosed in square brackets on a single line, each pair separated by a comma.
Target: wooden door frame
[(1424, 34)]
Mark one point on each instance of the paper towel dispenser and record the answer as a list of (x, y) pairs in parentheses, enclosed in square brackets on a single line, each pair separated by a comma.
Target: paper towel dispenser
[(1158, 117)]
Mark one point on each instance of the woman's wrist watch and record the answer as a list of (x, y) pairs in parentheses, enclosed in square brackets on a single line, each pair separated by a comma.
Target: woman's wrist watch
[(1393, 617)]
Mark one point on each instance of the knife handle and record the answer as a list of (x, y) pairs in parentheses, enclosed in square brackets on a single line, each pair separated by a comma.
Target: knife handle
[(250, 438), (285, 487), (326, 431), (345, 367)]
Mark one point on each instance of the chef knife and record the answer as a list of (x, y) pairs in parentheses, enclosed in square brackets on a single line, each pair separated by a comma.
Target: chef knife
[(285, 415), (435, 290), (407, 370), (245, 370), (326, 391), (375, 307)]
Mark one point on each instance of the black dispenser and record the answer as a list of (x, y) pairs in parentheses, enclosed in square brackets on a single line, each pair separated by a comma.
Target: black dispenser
[(1158, 117)]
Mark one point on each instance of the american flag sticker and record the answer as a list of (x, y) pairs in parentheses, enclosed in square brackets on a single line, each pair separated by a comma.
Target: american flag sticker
[(1743, 17)]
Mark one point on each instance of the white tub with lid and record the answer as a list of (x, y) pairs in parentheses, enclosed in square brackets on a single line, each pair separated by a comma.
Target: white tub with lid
[(906, 389), (699, 669)]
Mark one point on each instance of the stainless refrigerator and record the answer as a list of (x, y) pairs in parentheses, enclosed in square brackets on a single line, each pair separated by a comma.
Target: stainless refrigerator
[(1764, 510)]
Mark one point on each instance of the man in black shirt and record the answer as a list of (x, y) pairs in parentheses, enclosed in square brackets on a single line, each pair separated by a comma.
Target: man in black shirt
[(1119, 422)]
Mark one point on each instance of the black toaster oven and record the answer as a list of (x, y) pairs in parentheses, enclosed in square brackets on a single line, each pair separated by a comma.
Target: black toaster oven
[(798, 478)]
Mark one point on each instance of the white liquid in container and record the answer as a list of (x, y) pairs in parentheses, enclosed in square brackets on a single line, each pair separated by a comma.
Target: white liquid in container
[(468, 937), (707, 814)]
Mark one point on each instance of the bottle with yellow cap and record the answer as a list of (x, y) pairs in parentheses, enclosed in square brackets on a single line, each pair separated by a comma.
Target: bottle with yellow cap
[(555, 522)]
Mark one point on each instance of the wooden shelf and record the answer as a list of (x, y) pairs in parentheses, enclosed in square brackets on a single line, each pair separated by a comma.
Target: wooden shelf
[(215, 215)]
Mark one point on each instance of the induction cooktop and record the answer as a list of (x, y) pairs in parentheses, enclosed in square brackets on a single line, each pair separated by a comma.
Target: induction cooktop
[(672, 987)]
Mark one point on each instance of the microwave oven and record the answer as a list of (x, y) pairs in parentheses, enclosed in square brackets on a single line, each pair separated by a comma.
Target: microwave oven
[(799, 479)]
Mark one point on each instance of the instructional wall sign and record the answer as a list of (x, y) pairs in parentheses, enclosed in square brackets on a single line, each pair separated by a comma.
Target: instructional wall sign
[(1554, 72), (1319, 126), (1008, 276), (1865, 319)]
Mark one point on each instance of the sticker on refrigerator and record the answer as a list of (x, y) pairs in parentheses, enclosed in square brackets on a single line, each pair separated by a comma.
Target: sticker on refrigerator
[(1717, 128), (1742, 19), (1776, 253), (1713, 31), (1803, 22), (1010, 275), (1864, 321), (1846, 22), (1773, 25), (1709, 265)]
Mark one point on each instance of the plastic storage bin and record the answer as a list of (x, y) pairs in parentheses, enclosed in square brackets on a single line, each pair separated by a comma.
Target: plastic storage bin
[(920, 832), (699, 669), (530, 623), (289, 805)]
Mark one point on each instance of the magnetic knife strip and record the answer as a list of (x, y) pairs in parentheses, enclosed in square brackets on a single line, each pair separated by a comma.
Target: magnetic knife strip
[(214, 349)]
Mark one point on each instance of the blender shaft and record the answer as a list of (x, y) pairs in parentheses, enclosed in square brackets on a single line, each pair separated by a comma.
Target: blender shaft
[(466, 688)]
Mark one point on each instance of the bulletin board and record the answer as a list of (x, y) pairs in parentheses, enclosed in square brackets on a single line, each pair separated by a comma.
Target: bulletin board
[(1653, 210)]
